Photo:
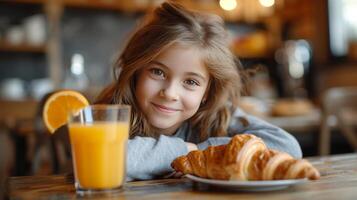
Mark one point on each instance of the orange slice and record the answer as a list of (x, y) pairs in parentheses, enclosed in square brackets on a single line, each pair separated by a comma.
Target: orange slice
[(59, 106)]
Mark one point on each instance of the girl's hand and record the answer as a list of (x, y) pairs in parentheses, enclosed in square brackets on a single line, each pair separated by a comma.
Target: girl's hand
[(191, 146)]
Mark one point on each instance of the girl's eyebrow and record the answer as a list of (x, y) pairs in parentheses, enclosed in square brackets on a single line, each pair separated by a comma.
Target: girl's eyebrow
[(159, 63), (188, 73)]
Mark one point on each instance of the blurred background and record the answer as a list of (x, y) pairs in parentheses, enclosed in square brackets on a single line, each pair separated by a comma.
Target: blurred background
[(301, 57)]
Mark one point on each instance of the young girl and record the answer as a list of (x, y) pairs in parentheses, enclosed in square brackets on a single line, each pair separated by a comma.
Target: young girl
[(181, 80)]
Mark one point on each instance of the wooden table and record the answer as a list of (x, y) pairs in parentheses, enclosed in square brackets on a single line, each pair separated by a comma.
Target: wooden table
[(338, 181)]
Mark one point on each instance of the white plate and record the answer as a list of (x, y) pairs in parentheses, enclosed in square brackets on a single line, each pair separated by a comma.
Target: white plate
[(248, 185)]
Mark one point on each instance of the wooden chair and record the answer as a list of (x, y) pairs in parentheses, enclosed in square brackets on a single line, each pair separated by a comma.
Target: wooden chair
[(16, 118), (339, 110), (57, 146)]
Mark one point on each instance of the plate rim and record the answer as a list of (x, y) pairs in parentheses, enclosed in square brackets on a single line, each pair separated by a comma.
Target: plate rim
[(253, 184)]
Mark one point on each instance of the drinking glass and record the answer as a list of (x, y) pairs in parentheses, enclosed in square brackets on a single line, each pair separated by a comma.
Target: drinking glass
[(98, 135)]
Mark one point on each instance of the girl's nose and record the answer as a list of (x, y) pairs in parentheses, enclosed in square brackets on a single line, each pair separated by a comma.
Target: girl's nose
[(170, 93)]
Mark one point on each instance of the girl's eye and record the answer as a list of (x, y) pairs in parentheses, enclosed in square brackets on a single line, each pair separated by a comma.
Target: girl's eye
[(157, 72), (191, 82)]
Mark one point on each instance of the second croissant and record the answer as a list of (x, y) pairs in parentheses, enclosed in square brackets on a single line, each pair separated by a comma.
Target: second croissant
[(245, 157)]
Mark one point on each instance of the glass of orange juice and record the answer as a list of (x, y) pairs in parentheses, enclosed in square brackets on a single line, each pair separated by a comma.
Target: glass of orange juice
[(98, 135)]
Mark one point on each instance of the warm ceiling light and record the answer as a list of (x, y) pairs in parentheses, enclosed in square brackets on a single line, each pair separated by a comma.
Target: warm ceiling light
[(267, 3), (228, 4)]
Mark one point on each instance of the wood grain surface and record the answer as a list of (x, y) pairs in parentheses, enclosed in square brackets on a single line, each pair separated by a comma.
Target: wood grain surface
[(338, 181)]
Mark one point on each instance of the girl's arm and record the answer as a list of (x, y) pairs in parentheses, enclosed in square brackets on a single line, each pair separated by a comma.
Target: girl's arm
[(148, 158), (274, 137)]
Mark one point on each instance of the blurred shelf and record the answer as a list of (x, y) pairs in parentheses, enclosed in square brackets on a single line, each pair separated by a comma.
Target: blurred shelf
[(122, 5), (24, 1), (21, 48), (254, 56)]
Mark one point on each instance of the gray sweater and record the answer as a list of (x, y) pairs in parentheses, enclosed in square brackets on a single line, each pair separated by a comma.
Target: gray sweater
[(149, 158)]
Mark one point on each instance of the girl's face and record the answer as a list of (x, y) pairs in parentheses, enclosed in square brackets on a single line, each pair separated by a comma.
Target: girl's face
[(171, 88)]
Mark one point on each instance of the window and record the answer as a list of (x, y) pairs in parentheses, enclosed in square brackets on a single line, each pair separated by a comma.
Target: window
[(342, 25)]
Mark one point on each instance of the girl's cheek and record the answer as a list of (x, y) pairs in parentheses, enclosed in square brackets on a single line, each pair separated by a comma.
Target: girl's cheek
[(193, 100)]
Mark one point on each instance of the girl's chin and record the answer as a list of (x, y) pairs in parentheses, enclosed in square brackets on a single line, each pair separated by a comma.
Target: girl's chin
[(165, 129)]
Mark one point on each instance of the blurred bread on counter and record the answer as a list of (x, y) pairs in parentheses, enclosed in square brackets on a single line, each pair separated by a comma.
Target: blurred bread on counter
[(291, 107), (254, 106), (286, 107)]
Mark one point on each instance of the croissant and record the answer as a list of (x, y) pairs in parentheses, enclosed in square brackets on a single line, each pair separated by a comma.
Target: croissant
[(245, 157)]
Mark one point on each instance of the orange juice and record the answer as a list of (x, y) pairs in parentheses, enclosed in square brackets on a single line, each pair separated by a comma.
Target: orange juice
[(99, 153)]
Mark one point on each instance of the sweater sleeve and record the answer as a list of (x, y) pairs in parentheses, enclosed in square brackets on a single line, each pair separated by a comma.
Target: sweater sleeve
[(274, 137), (148, 158)]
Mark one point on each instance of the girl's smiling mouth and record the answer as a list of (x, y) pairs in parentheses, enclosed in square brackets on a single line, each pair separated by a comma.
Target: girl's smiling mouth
[(165, 109)]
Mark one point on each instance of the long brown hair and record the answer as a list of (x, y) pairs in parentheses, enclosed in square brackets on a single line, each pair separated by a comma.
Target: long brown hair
[(170, 24)]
